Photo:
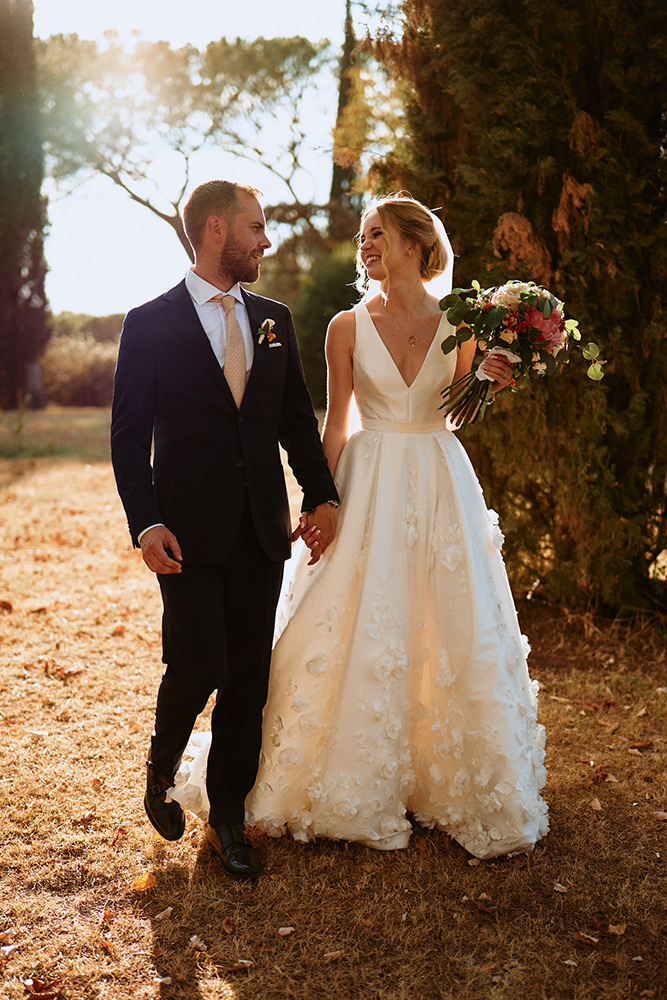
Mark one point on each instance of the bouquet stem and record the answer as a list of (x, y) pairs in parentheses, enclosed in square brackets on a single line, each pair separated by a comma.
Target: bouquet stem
[(466, 400)]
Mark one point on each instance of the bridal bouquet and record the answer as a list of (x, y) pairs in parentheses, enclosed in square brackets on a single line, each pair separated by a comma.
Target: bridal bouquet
[(521, 321)]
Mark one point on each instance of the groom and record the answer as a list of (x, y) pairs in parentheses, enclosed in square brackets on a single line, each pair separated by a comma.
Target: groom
[(208, 383)]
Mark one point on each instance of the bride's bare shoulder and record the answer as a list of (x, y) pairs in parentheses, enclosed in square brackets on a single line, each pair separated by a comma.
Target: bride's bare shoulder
[(342, 326)]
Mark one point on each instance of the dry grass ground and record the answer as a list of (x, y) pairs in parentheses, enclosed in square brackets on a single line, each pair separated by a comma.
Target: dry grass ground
[(583, 917)]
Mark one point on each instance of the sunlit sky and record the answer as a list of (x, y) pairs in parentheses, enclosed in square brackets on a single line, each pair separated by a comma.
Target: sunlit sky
[(106, 254)]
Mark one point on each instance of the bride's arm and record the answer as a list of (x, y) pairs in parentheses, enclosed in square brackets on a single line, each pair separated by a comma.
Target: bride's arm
[(339, 347)]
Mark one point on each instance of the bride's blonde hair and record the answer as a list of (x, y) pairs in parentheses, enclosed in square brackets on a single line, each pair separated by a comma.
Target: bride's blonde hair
[(415, 223)]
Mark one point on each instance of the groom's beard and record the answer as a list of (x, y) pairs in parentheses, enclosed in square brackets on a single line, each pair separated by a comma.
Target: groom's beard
[(238, 262)]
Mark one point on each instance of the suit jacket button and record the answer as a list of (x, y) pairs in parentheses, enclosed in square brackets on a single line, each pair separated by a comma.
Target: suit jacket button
[(240, 418), (239, 463)]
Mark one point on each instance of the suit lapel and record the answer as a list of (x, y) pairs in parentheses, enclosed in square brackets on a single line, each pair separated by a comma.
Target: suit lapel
[(260, 358), (185, 321)]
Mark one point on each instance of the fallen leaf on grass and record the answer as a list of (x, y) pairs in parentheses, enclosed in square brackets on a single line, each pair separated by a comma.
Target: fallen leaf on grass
[(197, 944), (7, 949), (559, 888), (44, 990), (119, 630), (284, 931), (63, 715), (120, 832), (596, 805), (162, 980), (227, 925), (143, 882), (584, 938), (641, 713), (644, 745), (634, 751), (332, 956), (242, 965), (597, 779), (107, 916), (614, 728), (88, 817), (163, 914), (617, 929), (6, 606), (484, 904), (659, 815), (570, 961), (98, 782)]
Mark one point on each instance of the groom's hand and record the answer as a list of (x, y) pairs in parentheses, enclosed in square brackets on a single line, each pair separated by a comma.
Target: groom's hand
[(160, 550), (317, 527)]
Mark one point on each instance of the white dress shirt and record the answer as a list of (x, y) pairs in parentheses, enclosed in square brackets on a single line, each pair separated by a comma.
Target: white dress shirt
[(212, 316)]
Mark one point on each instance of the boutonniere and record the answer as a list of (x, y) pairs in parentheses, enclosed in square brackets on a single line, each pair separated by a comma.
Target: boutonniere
[(266, 332)]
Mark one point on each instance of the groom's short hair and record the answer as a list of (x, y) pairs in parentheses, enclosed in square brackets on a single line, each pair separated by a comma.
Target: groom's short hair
[(212, 198)]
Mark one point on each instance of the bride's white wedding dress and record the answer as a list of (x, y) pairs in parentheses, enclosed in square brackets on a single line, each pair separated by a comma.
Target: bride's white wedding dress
[(399, 682)]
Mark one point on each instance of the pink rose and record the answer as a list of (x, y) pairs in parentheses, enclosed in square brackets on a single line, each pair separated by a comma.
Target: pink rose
[(551, 327)]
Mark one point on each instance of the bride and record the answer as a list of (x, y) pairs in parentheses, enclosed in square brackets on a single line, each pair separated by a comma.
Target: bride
[(399, 691)]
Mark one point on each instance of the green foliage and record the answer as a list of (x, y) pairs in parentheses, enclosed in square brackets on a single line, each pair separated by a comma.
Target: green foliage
[(327, 289), (117, 110), (540, 129), (79, 363), (23, 329), (316, 281)]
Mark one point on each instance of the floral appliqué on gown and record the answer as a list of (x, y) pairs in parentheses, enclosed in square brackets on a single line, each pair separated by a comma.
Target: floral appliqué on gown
[(399, 683)]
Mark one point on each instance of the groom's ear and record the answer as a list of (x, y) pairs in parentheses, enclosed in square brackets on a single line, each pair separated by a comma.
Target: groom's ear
[(216, 229)]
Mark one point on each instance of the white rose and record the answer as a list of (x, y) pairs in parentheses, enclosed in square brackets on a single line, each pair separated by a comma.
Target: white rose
[(509, 295)]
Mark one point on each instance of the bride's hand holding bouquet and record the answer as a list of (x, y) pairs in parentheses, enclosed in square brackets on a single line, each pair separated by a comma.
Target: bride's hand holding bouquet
[(520, 322)]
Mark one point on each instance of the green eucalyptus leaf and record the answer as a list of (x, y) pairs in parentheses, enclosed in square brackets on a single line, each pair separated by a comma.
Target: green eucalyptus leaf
[(449, 344), (449, 300), (591, 351), (595, 372), (493, 316)]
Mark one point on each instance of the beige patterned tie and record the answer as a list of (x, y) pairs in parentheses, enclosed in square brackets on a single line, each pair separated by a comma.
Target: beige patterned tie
[(234, 367)]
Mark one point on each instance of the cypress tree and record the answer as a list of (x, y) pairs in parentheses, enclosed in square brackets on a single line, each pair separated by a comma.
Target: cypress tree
[(22, 216), (540, 127)]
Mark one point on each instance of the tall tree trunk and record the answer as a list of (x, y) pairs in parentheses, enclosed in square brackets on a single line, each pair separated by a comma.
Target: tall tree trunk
[(23, 330)]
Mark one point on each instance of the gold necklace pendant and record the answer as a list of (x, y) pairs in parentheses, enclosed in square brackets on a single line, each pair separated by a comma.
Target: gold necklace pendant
[(413, 342)]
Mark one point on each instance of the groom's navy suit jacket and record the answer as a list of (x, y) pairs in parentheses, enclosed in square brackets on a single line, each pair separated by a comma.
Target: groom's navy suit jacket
[(170, 395)]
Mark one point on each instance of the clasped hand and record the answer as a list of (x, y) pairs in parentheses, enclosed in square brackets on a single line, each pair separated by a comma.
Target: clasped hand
[(317, 527)]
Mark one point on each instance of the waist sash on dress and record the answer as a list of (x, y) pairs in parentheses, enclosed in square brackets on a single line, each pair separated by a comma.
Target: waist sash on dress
[(423, 427)]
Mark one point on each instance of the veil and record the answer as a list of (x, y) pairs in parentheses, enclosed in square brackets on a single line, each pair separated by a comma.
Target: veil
[(439, 286)]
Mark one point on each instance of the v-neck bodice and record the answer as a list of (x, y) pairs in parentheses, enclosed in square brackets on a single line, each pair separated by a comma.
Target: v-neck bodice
[(380, 390)]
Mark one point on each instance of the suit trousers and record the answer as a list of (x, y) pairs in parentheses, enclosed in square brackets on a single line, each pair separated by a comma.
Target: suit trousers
[(217, 631)]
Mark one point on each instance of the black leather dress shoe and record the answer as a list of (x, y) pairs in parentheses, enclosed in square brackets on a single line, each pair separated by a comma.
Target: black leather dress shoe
[(167, 817), (239, 858)]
